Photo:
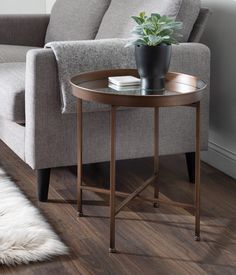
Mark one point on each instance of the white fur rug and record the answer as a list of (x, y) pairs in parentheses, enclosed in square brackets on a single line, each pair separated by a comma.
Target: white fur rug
[(25, 236)]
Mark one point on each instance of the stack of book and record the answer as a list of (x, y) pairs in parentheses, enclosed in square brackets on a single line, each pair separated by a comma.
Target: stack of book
[(124, 83)]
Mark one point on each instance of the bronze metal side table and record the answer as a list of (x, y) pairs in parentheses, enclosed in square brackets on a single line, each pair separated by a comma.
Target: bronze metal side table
[(180, 90)]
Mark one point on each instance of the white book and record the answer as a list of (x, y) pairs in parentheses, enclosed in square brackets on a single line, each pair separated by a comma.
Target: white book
[(123, 88), (124, 80)]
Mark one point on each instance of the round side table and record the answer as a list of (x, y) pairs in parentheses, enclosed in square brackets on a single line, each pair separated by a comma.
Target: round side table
[(180, 90)]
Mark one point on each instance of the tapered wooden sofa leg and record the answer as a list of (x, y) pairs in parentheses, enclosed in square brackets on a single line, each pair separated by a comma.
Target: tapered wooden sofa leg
[(190, 160), (43, 180)]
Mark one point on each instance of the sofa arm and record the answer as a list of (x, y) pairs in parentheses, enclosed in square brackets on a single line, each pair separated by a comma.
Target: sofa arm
[(193, 59), (42, 107), (26, 30), (47, 128)]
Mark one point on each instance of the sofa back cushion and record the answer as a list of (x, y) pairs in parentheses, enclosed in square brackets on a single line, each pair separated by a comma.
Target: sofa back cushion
[(75, 19), (117, 22), (188, 14)]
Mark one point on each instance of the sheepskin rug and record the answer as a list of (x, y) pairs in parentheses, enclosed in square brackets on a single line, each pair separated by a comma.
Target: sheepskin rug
[(25, 236)]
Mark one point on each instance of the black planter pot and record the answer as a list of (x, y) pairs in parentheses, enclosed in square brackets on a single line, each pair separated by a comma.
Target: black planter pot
[(153, 64)]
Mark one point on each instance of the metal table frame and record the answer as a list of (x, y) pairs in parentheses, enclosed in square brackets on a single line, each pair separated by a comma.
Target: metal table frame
[(153, 179)]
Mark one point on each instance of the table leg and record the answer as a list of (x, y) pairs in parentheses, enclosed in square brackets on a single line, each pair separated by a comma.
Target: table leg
[(112, 177), (197, 172), (156, 154), (79, 156)]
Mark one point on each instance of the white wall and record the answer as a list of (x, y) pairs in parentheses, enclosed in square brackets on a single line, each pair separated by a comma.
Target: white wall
[(22, 6), (220, 36), (49, 4)]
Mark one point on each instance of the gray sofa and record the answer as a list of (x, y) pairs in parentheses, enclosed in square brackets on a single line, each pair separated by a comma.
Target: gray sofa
[(31, 122)]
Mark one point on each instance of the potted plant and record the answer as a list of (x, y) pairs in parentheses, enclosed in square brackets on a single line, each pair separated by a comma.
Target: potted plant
[(154, 37)]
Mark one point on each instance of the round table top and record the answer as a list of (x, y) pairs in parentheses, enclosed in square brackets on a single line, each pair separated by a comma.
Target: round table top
[(180, 90)]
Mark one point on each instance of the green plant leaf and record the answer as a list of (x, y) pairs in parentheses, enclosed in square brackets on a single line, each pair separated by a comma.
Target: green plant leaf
[(154, 40), (138, 20), (156, 15), (155, 29)]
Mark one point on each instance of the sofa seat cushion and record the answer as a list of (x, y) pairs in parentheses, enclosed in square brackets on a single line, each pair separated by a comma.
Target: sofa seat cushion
[(11, 53), (12, 91), (75, 19), (117, 22)]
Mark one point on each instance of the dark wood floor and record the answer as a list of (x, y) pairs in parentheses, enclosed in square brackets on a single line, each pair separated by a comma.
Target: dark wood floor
[(149, 240)]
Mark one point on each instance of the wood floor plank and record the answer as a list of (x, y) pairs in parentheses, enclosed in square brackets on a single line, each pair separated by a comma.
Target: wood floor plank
[(149, 240)]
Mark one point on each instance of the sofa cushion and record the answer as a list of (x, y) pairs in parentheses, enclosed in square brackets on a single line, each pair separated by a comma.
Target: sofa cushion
[(188, 14), (11, 53), (117, 22), (75, 19), (12, 91)]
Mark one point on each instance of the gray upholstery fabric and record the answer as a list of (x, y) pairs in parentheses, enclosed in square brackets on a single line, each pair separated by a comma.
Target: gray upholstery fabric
[(75, 19), (188, 14), (117, 22), (11, 53), (13, 135), (26, 30), (50, 137), (81, 56), (200, 25), (12, 87)]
